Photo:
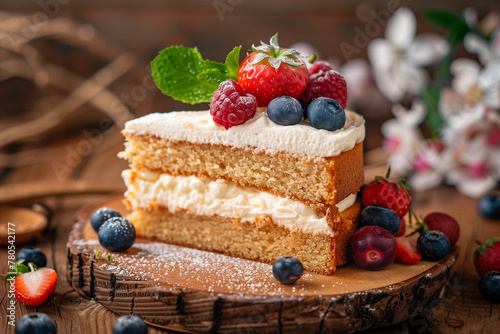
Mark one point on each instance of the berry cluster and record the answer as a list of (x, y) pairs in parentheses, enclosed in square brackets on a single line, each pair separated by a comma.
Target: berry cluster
[(380, 241), (487, 263), (277, 78)]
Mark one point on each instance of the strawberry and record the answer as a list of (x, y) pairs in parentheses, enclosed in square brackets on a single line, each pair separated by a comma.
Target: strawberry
[(392, 195), (271, 71), (487, 256), (32, 286), (402, 228), (406, 251)]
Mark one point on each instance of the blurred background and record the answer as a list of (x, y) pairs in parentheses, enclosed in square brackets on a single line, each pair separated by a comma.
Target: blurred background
[(74, 67)]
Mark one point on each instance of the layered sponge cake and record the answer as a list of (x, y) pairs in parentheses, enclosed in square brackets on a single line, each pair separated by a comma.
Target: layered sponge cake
[(258, 190)]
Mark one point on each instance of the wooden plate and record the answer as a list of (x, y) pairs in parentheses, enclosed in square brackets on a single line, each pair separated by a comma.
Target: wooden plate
[(190, 290), (18, 225)]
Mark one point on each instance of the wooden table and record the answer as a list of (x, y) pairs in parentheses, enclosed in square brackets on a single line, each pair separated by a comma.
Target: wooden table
[(461, 308)]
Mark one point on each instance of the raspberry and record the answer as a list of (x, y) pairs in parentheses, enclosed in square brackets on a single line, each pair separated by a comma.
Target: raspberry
[(326, 84), (320, 66), (231, 106)]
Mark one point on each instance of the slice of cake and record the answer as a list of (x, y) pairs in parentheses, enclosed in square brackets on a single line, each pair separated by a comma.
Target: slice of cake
[(257, 183), (259, 190)]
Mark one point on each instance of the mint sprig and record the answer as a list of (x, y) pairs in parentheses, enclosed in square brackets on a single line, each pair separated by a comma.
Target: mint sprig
[(183, 74)]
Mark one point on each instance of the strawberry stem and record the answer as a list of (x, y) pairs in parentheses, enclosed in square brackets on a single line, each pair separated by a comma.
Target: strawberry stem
[(32, 267), (312, 58), (388, 173)]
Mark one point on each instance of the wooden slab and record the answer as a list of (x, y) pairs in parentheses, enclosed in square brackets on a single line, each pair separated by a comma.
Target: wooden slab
[(185, 289)]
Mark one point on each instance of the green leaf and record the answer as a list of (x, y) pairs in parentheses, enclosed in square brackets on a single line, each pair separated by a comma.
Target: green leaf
[(233, 63), (184, 75), (9, 277), (482, 249), (20, 268), (434, 120), (454, 24)]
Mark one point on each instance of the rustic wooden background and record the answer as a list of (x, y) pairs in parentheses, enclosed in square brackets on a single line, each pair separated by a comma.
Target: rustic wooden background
[(144, 28)]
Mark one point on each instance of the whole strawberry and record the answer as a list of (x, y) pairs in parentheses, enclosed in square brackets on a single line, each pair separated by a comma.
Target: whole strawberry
[(271, 71), (326, 84), (392, 195), (487, 256)]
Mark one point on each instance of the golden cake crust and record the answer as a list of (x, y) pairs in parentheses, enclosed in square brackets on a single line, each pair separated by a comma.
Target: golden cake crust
[(260, 240), (320, 182)]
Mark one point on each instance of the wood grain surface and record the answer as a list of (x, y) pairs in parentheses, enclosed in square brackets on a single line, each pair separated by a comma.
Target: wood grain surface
[(460, 309), (186, 289)]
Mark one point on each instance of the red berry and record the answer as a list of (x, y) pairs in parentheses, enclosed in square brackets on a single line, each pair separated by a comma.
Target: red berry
[(373, 247), (320, 66), (387, 194), (231, 106), (402, 228), (438, 221), (487, 257), (271, 71), (406, 251), (326, 84), (35, 287)]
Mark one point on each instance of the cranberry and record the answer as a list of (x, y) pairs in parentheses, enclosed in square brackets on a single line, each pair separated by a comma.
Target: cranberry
[(373, 248)]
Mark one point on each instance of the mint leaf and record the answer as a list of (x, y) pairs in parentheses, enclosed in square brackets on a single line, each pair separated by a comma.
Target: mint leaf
[(183, 74), (233, 63)]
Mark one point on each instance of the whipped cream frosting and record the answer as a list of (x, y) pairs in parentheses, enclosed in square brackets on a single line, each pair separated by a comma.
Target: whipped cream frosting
[(258, 132), (222, 198)]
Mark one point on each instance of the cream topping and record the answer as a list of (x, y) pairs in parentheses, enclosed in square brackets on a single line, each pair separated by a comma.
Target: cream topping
[(258, 132), (346, 203), (220, 197)]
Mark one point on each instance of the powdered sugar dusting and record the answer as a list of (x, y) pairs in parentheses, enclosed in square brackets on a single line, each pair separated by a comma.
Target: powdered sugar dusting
[(185, 268)]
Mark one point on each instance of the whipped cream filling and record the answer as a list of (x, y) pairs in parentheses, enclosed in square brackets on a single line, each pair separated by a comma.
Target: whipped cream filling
[(222, 198), (258, 132)]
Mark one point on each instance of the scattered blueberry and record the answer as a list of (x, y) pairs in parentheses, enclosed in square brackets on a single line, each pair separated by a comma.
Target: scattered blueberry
[(285, 110), (33, 255), (379, 216), (326, 113), (101, 215), (38, 323), (489, 286), (359, 195), (116, 234), (489, 206), (287, 270), (433, 246), (130, 324)]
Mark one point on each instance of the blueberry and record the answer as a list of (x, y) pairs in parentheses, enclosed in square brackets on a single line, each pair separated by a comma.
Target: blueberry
[(489, 206), (433, 246), (116, 234), (33, 255), (35, 323), (379, 216), (326, 113), (130, 324), (101, 215), (285, 110), (287, 270), (359, 195), (489, 286)]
